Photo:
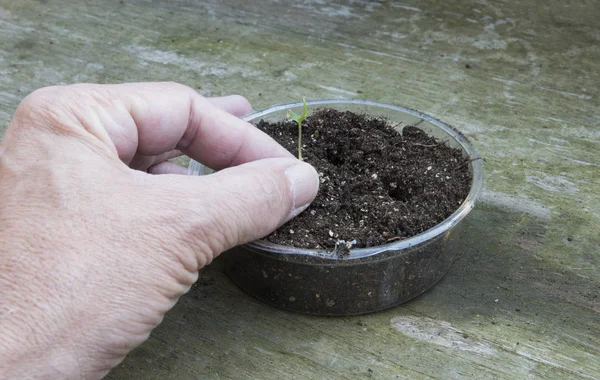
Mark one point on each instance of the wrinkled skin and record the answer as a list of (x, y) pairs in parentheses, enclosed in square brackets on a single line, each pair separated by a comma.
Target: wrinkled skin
[(100, 234)]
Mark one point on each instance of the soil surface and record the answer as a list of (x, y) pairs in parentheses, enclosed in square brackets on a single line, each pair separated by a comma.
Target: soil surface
[(377, 185)]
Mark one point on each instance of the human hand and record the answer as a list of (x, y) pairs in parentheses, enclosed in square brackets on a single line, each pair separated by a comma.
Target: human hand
[(93, 253)]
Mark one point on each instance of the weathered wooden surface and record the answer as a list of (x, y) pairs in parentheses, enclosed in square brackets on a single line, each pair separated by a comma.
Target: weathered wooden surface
[(521, 302)]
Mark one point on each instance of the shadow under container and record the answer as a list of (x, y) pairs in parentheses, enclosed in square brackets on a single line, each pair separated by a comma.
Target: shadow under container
[(368, 279)]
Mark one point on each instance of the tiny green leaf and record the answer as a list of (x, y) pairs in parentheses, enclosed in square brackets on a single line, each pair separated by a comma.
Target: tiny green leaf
[(299, 119), (293, 115)]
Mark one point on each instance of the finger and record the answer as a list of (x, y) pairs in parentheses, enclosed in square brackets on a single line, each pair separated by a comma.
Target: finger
[(167, 167), (150, 119), (169, 116), (234, 104), (235, 205)]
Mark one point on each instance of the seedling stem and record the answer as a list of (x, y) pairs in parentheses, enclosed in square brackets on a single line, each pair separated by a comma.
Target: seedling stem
[(299, 119)]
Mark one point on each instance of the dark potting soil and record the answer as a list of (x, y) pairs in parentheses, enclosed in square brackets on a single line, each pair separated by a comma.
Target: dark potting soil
[(377, 185)]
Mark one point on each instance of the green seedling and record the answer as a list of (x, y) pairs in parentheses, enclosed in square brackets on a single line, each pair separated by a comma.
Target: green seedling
[(299, 119)]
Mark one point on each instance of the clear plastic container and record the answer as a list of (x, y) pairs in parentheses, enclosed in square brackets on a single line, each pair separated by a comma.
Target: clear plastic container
[(369, 279)]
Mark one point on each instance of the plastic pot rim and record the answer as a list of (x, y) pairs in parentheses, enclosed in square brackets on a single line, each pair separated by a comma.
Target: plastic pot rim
[(265, 247)]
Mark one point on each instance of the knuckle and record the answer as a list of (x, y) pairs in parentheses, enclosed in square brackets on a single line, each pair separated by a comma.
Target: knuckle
[(60, 109), (40, 108), (176, 86), (37, 98)]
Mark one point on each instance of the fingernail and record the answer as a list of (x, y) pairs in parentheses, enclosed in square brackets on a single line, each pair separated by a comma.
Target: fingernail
[(304, 184)]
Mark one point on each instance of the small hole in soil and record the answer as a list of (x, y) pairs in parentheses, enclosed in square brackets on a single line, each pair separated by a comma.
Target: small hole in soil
[(404, 194), (334, 157)]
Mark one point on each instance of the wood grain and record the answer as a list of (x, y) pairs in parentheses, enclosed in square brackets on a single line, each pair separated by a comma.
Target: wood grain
[(520, 79)]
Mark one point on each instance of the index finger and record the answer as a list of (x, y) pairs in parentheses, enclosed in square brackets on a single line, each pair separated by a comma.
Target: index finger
[(167, 116)]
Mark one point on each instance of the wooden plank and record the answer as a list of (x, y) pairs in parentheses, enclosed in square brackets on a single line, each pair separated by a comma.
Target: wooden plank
[(521, 301)]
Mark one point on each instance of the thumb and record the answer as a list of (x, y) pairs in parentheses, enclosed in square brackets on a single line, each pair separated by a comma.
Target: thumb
[(238, 204)]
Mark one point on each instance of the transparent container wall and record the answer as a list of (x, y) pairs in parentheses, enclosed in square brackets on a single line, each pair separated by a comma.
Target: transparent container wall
[(369, 279), (310, 285)]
